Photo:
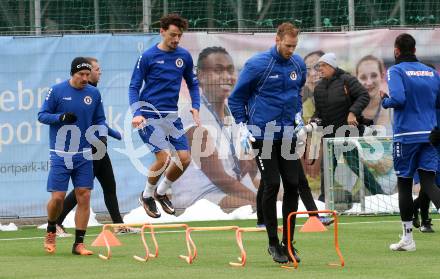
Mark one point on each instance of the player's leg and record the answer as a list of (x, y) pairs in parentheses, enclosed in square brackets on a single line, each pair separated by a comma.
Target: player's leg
[(103, 171), (57, 184), (55, 205), (307, 198), (406, 207), (260, 216), (82, 179), (424, 202), (271, 178), (427, 167), (177, 168), (83, 209), (427, 187), (153, 135), (289, 170), (416, 220), (427, 163), (404, 156), (426, 225), (54, 208), (304, 190), (156, 170), (68, 205), (173, 172), (81, 220), (179, 145)]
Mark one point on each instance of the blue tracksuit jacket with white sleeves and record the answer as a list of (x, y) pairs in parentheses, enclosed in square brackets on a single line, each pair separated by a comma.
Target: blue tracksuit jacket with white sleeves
[(162, 72), (414, 93), (269, 89)]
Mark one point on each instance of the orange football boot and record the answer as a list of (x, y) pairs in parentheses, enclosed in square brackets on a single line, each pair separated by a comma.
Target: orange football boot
[(50, 242), (80, 249)]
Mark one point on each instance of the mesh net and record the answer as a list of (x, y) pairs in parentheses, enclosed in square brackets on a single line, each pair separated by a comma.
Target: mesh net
[(64, 16), (356, 183)]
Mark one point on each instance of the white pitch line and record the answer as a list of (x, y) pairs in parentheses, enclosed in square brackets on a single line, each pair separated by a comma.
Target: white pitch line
[(164, 232)]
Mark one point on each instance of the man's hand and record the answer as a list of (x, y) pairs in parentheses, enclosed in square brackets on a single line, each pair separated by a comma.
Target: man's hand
[(196, 117), (316, 120), (434, 137), (301, 136), (299, 123), (351, 119), (245, 138), (68, 118), (383, 95), (138, 122), (114, 133)]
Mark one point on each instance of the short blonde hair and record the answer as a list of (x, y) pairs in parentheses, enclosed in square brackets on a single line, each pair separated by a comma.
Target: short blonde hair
[(91, 59), (287, 28)]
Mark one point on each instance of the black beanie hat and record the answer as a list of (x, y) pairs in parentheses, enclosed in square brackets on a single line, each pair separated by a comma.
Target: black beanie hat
[(78, 64)]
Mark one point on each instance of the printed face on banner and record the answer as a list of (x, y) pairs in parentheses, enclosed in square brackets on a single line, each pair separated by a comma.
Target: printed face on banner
[(217, 76), (370, 76)]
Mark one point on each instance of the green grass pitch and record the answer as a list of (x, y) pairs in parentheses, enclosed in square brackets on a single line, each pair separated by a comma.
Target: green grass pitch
[(364, 244)]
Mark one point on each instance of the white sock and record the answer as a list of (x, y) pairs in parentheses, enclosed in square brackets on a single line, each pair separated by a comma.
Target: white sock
[(149, 189), (164, 185), (407, 231)]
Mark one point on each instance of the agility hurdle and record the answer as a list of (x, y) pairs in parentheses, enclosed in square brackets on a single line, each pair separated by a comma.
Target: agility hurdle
[(336, 242), (156, 246), (107, 239), (238, 235), (192, 249)]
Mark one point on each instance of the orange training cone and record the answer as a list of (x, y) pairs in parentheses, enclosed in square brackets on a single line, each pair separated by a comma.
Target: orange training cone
[(112, 240), (313, 225)]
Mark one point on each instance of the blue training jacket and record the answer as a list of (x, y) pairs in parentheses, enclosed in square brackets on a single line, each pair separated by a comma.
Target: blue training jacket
[(269, 89), (414, 93), (162, 73), (86, 104)]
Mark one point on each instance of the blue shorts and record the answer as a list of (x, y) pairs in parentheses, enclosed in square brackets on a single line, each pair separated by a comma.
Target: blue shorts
[(81, 172), (164, 133), (413, 156), (437, 174), (437, 178)]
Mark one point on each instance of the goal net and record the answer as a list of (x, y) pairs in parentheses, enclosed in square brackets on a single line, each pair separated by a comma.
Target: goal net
[(359, 177)]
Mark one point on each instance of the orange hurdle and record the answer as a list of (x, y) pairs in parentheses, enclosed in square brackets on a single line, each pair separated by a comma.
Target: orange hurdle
[(144, 242), (192, 249), (107, 238), (289, 241), (239, 239)]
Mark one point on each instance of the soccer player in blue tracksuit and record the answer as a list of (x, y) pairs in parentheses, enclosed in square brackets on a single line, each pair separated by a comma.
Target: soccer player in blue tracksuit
[(155, 110), (414, 94), (103, 171), (267, 98), (71, 109)]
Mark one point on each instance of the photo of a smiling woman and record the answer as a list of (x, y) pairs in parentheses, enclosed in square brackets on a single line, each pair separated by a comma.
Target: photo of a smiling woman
[(370, 71)]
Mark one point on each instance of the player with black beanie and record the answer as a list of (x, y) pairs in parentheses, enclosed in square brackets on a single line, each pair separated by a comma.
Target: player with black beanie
[(102, 170)]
